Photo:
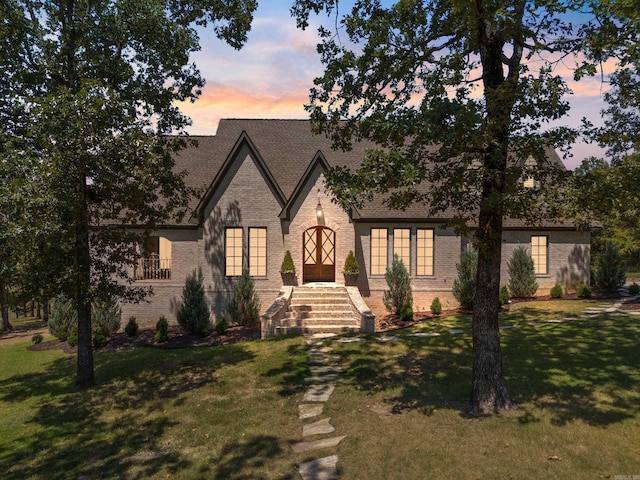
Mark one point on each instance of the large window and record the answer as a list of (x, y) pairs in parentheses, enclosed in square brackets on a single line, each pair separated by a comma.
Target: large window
[(402, 246), (424, 252), (378, 251), (258, 252), (233, 251), (539, 246)]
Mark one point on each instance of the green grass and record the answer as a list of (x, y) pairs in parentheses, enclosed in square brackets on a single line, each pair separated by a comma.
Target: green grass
[(231, 412)]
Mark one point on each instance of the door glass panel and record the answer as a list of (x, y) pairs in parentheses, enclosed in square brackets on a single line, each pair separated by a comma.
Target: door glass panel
[(310, 247), (327, 247)]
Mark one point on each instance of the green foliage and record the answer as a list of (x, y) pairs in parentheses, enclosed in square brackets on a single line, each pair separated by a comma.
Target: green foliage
[(244, 306), (351, 266), (99, 340), (522, 276), (584, 291), (221, 326), (464, 285), (162, 328), (287, 264), (436, 306), (106, 316), (610, 271), (556, 291), (634, 288), (131, 329), (504, 296), (399, 298), (63, 318), (193, 315), (37, 338)]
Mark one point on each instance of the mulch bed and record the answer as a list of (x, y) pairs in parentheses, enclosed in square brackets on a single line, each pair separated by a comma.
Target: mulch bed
[(178, 338)]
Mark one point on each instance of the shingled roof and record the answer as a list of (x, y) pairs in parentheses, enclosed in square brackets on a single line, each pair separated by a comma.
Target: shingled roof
[(287, 147)]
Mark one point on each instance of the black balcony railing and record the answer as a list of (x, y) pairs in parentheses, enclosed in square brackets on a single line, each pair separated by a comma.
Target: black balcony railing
[(153, 268)]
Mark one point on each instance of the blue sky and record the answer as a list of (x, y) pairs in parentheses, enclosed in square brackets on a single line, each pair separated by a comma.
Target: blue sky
[(271, 77)]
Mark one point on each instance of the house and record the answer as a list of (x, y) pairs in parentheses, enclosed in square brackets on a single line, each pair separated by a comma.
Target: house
[(264, 194)]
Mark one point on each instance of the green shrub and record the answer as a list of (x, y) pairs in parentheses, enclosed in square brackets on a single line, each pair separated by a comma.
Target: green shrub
[(407, 313), (436, 306), (522, 275), (221, 326), (105, 316), (610, 272), (287, 264), (584, 291), (464, 286), (193, 315), (99, 340), (62, 318), (37, 338), (556, 291), (72, 339), (131, 329), (244, 306), (161, 330), (634, 289), (399, 298), (351, 266), (504, 296)]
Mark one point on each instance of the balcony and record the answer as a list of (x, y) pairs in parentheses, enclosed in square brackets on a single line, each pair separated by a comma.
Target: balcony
[(153, 268)]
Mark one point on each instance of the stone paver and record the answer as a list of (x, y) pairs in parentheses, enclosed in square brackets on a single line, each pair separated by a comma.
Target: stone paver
[(554, 320), (319, 351), (425, 335), (309, 410), (323, 359), (318, 393), (321, 427), (535, 324), (350, 340), (317, 444), (329, 378), (506, 327), (320, 469), (389, 338), (326, 369), (455, 331)]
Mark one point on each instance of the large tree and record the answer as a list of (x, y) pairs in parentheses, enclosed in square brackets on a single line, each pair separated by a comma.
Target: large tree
[(459, 95), (88, 99)]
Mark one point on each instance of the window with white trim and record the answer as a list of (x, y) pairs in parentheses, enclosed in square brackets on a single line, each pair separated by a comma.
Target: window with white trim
[(258, 251), (233, 251), (424, 252), (378, 251), (539, 248), (402, 246)]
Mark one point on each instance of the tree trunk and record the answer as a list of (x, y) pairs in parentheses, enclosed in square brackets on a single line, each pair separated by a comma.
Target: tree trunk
[(45, 311), (38, 310), (4, 306)]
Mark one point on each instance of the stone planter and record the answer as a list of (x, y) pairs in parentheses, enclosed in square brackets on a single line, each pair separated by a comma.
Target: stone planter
[(350, 279), (288, 278)]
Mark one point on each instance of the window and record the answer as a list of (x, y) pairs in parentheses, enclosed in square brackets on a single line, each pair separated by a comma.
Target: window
[(233, 252), (402, 246), (527, 180), (539, 246), (378, 251), (424, 252), (258, 252)]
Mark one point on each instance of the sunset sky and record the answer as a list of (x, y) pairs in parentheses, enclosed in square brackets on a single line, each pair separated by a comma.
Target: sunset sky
[(271, 77)]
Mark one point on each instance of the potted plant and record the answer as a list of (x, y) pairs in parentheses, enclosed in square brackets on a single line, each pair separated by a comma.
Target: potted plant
[(288, 270), (351, 269)]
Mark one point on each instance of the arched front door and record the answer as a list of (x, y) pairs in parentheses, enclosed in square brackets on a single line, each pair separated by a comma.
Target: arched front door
[(318, 247)]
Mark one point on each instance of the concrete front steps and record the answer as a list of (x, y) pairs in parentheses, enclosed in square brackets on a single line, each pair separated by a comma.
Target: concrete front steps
[(319, 309)]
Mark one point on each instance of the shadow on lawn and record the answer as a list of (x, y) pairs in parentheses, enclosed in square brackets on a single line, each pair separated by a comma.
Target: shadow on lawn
[(577, 370), (114, 430)]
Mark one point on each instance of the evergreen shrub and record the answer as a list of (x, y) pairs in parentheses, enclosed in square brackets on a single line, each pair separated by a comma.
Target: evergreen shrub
[(63, 318), (99, 340), (37, 338), (399, 298), (504, 295), (436, 306), (584, 291), (610, 271), (105, 316), (244, 306), (131, 329), (464, 286), (522, 275), (351, 266), (221, 326), (162, 328), (287, 264), (193, 315), (634, 288), (556, 291)]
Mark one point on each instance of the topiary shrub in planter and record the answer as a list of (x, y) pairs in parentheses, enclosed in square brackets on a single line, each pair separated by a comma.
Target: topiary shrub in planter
[(436, 306), (584, 291), (556, 291), (244, 307), (399, 298), (522, 275), (193, 315), (634, 289), (288, 270), (464, 286), (162, 328), (351, 269)]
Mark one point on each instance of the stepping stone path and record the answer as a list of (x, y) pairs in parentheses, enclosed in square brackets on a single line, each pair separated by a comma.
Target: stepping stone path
[(326, 373)]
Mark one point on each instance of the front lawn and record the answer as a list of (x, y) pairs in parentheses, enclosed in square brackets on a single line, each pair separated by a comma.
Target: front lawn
[(231, 412)]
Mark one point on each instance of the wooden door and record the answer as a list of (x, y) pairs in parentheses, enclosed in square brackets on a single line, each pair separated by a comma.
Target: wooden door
[(318, 247)]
